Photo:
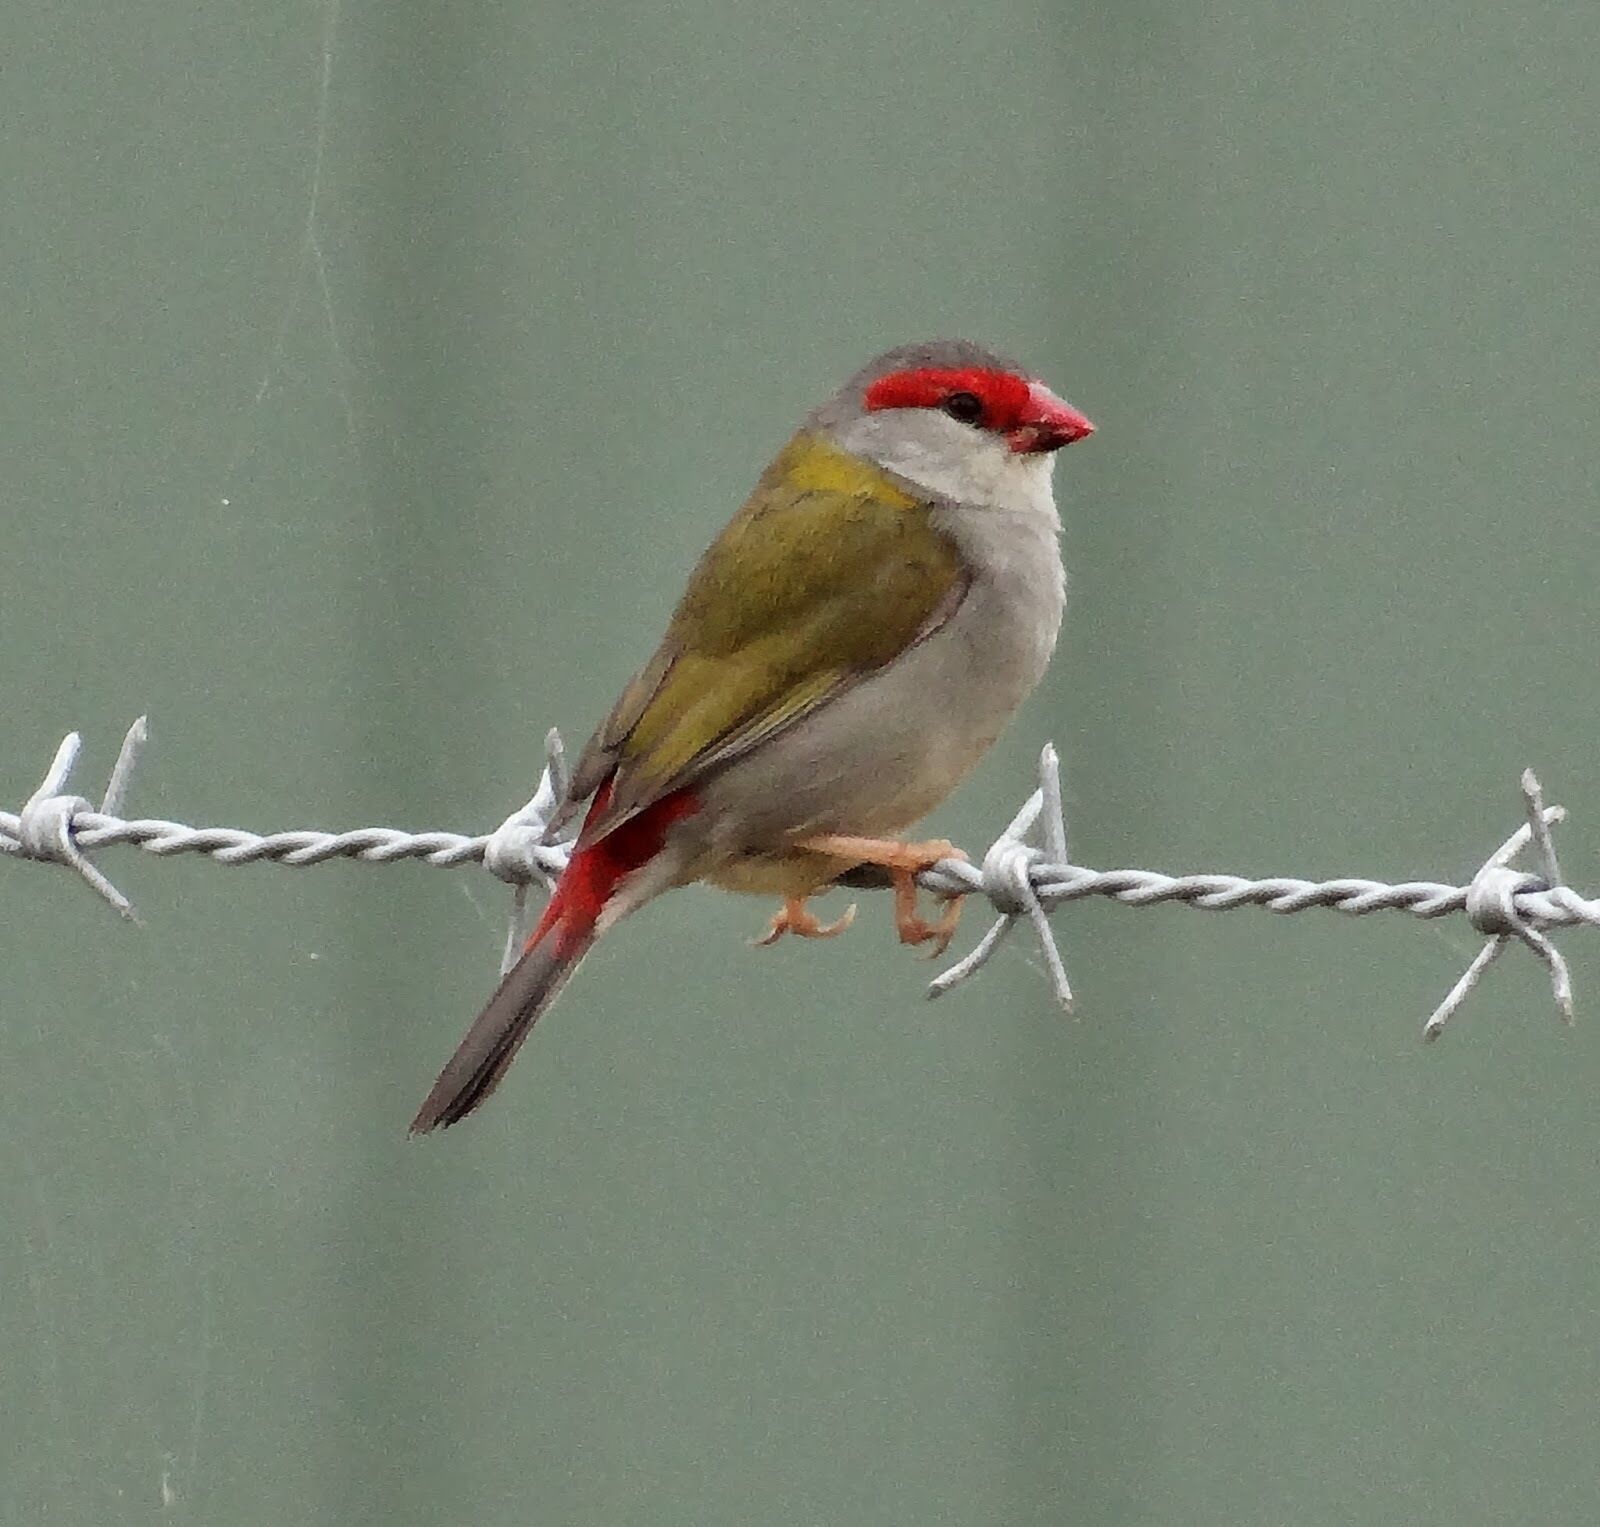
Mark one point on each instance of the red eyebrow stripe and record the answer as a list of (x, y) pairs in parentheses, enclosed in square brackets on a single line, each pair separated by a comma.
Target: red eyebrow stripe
[(1004, 394)]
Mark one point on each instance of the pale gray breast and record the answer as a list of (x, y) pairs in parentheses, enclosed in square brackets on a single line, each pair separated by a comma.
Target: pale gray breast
[(885, 753)]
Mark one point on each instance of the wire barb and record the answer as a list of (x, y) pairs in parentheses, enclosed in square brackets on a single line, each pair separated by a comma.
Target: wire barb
[(44, 828), (1492, 908), (1007, 879), (1018, 876), (518, 850)]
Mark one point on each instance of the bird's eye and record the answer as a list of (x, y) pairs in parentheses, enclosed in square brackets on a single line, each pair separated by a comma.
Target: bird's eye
[(967, 407)]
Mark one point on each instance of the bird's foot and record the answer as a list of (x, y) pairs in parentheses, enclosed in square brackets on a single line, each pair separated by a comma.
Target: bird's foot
[(797, 918), (916, 929), (904, 862)]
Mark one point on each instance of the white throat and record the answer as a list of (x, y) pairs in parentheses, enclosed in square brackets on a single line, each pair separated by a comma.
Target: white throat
[(953, 461)]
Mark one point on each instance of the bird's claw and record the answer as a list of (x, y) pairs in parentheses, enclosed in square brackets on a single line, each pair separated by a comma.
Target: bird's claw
[(904, 862), (916, 929), (797, 918)]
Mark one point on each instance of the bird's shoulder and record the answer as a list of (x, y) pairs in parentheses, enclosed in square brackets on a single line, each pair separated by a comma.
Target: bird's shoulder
[(831, 569)]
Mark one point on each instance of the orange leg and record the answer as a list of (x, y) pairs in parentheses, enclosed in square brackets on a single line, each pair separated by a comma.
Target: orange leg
[(797, 918), (904, 861)]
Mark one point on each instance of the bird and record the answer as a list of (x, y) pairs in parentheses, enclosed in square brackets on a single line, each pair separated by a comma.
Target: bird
[(844, 653)]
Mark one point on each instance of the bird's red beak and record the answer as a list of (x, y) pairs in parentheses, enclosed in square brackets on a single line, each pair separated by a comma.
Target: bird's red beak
[(1046, 423)]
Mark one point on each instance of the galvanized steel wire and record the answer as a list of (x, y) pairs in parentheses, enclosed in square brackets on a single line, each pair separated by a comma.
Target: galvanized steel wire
[(1026, 873)]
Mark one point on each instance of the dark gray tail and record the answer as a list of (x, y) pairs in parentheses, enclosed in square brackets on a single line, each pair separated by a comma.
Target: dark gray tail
[(529, 987)]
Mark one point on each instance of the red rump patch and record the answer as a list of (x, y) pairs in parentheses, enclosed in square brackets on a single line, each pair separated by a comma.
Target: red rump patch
[(596, 869), (1004, 395)]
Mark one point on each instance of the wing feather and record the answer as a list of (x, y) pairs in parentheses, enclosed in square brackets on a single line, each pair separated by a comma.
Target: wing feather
[(830, 571)]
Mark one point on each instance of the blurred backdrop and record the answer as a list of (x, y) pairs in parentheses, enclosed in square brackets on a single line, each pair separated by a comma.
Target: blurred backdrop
[(372, 376)]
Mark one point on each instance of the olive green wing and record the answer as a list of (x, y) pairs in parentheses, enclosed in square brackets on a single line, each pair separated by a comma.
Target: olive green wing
[(830, 571)]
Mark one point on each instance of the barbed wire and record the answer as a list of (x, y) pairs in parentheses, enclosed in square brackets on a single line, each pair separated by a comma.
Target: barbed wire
[(1019, 877)]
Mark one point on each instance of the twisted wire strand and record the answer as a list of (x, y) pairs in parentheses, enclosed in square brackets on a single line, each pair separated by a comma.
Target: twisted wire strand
[(1017, 878), (1055, 884), (296, 847)]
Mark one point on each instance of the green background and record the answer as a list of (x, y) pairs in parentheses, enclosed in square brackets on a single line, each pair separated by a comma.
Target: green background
[(372, 376)]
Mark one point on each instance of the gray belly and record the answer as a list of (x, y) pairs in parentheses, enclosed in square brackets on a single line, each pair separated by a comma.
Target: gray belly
[(882, 755)]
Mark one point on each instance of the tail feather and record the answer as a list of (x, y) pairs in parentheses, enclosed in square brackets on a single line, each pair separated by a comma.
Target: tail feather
[(491, 1044), (586, 895)]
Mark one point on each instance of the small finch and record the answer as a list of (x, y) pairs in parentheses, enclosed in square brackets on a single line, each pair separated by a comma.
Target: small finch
[(845, 652)]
